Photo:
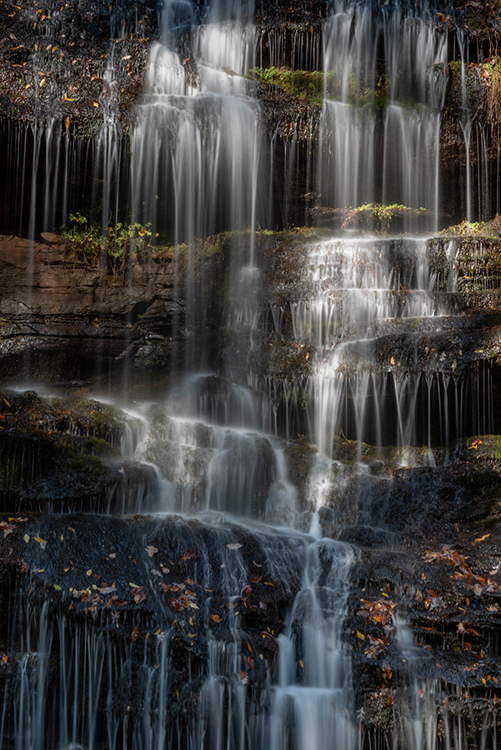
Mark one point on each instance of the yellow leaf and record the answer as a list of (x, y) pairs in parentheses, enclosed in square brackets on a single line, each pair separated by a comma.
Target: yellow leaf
[(39, 540), (360, 635), (481, 538), (54, 49), (96, 104), (88, 572), (26, 538), (134, 585), (62, 538), (67, 123)]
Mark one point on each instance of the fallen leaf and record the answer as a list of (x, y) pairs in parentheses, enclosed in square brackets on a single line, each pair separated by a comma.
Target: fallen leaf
[(387, 669), (151, 550), (188, 555), (26, 538), (39, 540), (58, 588), (235, 545), (88, 572), (140, 596), (481, 538), (135, 634), (360, 635), (216, 618), (243, 677)]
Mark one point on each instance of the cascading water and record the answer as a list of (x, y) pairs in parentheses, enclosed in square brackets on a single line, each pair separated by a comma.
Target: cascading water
[(380, 124), (220, 621), (196, 145)]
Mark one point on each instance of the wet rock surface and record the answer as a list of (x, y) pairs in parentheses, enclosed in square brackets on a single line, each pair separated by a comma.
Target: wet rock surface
[(424, 596), (64, 454), (424, 601), (443, 581), (62, 314), (191, 583)]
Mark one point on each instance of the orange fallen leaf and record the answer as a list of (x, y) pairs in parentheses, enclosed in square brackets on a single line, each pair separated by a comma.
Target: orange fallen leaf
[(481, 538)]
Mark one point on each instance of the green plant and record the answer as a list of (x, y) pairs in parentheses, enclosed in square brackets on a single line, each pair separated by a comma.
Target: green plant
[(117, 242), (378, 215)]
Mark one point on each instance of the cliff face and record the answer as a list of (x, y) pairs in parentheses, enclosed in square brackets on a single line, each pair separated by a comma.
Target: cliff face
[(75, 74), (61, 315), (139, 288)]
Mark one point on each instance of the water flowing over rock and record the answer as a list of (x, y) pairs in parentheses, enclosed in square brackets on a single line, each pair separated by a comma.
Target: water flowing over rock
[(250, 451)]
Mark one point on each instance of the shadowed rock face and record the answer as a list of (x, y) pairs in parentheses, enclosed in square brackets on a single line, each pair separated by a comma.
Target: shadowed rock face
[(67, 317), (142, 630), (70, 454), (82, 587), (178, 602), (135, 590), (58, 312)]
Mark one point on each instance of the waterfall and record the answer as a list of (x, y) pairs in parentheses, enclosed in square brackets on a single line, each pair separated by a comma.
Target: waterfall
[(196, 144), (380, 126), (237, 572)]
